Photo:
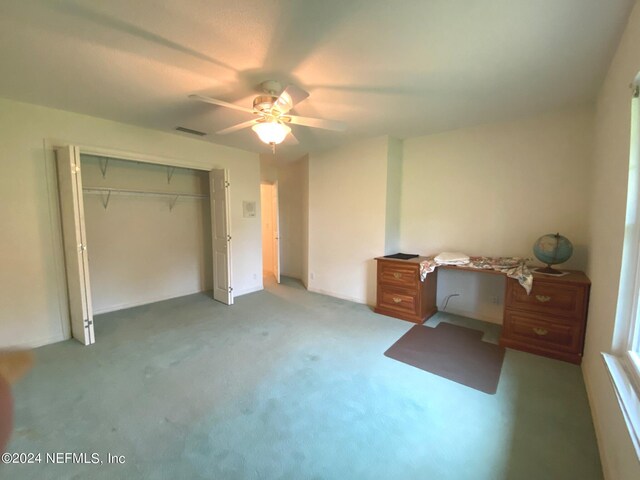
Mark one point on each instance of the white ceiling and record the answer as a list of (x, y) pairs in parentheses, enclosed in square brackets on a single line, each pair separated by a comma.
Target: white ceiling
[(403, 68)]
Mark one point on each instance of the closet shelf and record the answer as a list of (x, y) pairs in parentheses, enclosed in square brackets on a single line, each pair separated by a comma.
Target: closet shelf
[(106, 192)]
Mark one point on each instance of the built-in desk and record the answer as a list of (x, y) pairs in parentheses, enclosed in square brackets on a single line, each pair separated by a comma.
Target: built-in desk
[(550, 321)]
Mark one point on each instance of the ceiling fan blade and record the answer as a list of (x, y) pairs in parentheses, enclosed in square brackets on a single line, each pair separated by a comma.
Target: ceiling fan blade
[(317, 123), (237, 127), (289, 97), (220, 103)]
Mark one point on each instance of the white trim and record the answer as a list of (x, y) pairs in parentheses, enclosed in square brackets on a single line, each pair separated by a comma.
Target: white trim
[(42, 341), (246, 291), (338, 295), (147, 301), (472, 314), (124, 306), (628, 397), (629, 286), (623, 363), (632, 362), (597, 424)]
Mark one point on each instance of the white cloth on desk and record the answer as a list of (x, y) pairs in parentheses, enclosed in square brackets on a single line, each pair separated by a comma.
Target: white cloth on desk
[(513, 267), (452, 258), (427, 266)]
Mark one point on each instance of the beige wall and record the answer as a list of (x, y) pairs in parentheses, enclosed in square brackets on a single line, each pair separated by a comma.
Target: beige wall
[(347, 205), (394, 196), (33, 302), (140, 251), (607, 222), (492, 190)]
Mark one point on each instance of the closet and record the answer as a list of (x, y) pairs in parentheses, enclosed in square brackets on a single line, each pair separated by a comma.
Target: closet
[(139, 232)]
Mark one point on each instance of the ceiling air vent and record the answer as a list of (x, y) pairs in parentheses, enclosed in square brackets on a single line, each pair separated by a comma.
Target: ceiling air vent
[(192, 132)]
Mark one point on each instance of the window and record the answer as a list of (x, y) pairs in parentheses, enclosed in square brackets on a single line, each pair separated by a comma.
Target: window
[(624, 362)]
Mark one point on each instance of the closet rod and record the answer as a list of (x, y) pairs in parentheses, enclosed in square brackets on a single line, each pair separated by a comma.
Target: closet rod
[(144, 193), (120, 191)]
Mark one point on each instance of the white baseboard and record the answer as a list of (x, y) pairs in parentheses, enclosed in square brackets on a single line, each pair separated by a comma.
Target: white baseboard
[(146, 301), (39, 342), (123, 306), (604, 457), (245, 291), (474, 315), (338, 295)]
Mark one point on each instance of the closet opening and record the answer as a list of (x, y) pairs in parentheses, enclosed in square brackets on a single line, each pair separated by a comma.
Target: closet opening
[(137, 232)]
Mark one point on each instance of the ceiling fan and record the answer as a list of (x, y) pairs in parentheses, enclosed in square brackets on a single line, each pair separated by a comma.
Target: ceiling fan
[(271, 113)]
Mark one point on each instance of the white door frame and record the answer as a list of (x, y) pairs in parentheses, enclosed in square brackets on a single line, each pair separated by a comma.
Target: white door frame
[(50, 147)]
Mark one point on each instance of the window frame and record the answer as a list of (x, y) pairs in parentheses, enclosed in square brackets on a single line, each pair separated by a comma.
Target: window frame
[(623, 363)]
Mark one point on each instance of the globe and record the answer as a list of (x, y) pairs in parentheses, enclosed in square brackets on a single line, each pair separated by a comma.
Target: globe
[(552, 249)]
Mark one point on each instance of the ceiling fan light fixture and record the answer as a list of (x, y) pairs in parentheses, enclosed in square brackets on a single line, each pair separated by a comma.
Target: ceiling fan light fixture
[(271, 133)]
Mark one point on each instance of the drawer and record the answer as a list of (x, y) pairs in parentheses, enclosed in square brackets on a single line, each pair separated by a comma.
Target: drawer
[(398, 299), (397, 274), (551, 298), (531, 330)]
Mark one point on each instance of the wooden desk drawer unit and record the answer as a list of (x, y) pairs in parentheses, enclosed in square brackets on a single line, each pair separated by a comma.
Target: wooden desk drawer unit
[(546, 297), (399, 299), (528, 328), (401, 294), (398, 275), (551, 321)]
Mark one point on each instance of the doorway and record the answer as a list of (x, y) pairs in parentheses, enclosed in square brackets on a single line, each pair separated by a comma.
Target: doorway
[(270, 231), (71, 195)]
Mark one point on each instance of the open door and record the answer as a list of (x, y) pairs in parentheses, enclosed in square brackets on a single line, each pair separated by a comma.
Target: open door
[(276, 233), (221, 236), (75, 244)]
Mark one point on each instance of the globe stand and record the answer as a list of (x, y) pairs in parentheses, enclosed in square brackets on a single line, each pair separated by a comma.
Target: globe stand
[(549, 271)]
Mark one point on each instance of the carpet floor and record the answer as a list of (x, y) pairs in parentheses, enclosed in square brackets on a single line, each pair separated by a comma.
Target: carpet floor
[(288, 384)]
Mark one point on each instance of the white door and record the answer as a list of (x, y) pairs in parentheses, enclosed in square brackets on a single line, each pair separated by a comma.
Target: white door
[(75, 244), (276, 233), (221, 236)]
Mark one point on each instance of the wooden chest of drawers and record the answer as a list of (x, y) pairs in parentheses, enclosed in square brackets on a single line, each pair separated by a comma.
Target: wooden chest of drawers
[(551, 321), (401, 294)]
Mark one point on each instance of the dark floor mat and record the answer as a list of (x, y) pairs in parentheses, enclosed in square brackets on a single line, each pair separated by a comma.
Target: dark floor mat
[(453, 352)]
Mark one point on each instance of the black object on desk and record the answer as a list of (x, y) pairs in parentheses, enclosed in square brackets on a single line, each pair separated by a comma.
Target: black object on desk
[(402, 256)]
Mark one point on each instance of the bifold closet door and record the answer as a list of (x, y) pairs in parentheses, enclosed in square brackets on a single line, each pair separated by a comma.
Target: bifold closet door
[(75, 243), (221, 236)]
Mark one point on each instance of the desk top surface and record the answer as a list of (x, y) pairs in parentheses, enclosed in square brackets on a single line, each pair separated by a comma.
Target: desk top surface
[(573, 276)]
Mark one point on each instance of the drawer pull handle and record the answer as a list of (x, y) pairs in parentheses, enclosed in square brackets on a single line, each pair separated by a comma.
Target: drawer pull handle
[(540, 331), (543, 298), (397, 299), (397, 275)]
